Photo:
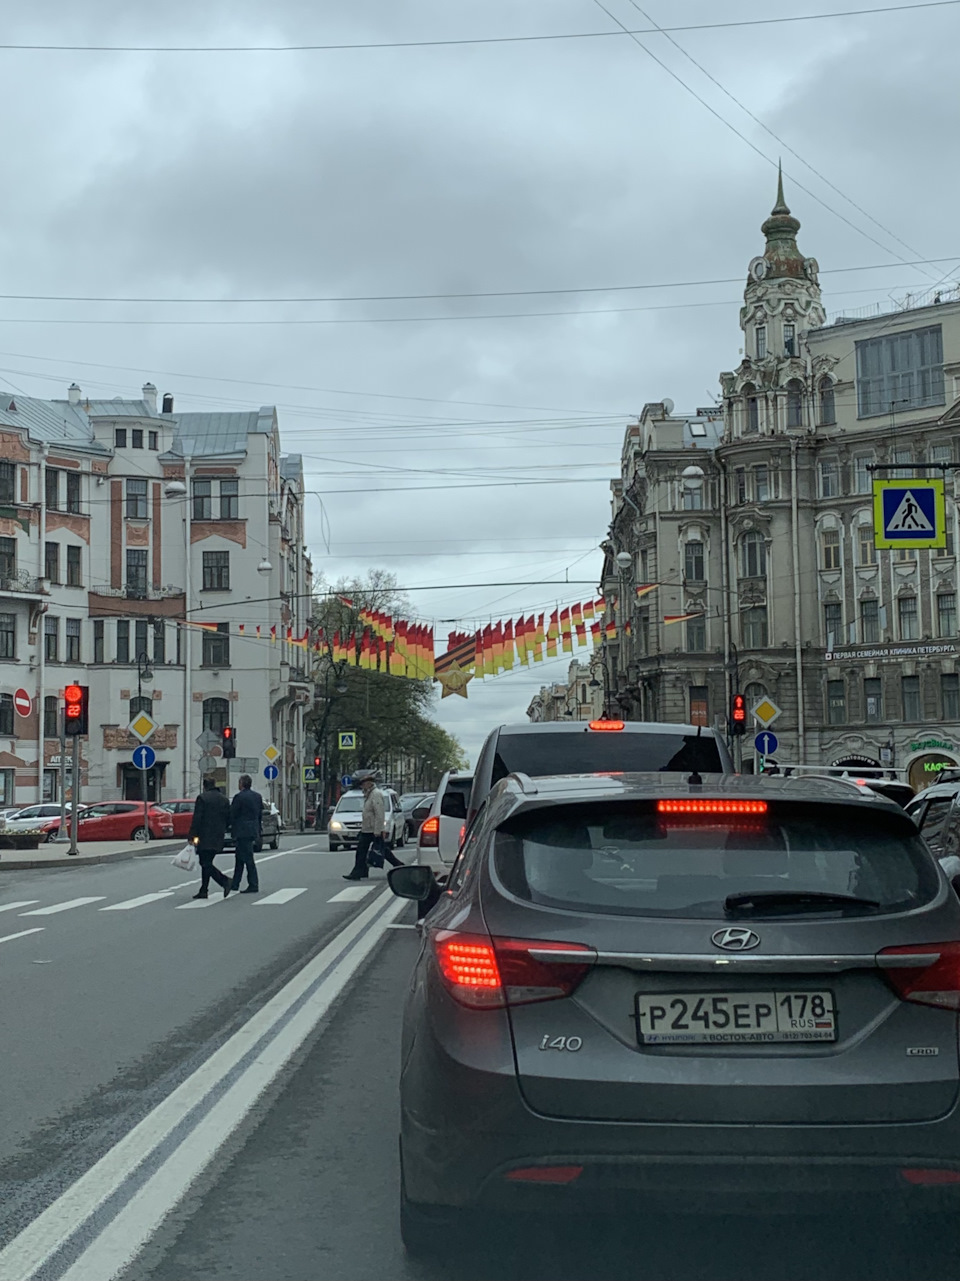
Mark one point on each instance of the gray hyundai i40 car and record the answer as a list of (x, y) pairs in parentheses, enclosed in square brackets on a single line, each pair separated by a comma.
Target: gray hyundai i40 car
[(707, 994)]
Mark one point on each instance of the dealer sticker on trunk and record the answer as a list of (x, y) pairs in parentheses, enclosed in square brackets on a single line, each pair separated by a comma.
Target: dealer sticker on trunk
[(722, 1018)]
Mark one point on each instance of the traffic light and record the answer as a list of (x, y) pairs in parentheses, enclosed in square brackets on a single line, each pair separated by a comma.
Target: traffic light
[(317, 762), (76, 716), (738, 715), (228, 741)]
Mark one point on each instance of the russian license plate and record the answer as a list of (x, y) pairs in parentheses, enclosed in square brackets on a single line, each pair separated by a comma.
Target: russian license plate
[(724, 1018)]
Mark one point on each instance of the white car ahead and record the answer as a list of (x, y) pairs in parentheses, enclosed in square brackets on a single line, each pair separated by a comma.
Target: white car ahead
[(344, 826)]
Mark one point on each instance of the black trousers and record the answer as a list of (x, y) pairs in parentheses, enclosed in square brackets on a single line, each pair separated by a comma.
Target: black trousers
[(244, 859), (208, 871), (364, 841)]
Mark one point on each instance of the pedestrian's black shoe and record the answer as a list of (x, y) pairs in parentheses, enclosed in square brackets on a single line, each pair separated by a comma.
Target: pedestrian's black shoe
[(352, 876), (227, 887), (251, 890), (235, 886), (201, 894)]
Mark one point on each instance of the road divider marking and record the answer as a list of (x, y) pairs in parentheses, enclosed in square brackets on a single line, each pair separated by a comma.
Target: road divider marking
[(160, 1159), (12, 907), (279, 896), (402, 925), (137, 902), (37, 929), (352, 894), (65, 907)]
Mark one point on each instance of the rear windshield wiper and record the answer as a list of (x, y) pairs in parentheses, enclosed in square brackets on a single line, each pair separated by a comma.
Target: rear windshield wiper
[(794, 900)]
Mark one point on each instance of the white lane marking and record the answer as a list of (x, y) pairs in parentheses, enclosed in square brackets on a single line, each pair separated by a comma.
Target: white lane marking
[(121, 1239), (136, 902), (402, 925), (65, 907), (279, 896), (259, 859), (12, 907), (352, 894), (37, 929), (216, 896)]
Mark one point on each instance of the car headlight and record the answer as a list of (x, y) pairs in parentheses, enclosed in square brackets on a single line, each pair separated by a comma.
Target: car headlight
[(335, 826)]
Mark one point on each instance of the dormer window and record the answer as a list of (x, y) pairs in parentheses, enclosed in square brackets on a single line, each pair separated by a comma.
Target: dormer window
[(789, 340), (761, 341)]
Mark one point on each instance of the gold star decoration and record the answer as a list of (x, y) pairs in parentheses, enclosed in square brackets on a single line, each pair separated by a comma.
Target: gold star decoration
[(455, 681)]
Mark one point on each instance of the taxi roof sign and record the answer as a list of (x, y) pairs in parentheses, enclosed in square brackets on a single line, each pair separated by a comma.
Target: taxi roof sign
[(909, 513)]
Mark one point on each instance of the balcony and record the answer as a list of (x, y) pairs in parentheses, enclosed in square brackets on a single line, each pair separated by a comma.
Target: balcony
[(22, 583), (130, 601)]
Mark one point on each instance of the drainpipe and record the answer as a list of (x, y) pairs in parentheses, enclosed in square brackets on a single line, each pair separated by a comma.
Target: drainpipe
[(187, 637), (798, 645), (725, 584), (41, 638)]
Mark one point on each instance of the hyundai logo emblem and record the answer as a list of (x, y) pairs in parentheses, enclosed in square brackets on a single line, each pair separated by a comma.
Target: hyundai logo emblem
[(734, 939)]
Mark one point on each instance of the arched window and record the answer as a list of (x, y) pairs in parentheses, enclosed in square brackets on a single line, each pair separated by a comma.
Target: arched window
[(828, 404), (753, 694), (753, 555), (216, 714), (794, 403), (751, 407), (141, 704), (693, 568)]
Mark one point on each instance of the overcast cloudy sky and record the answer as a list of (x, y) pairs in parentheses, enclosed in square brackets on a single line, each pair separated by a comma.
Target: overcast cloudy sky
[(450, 439)]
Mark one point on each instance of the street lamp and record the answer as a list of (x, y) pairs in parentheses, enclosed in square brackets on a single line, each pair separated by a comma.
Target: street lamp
[(265, 567)]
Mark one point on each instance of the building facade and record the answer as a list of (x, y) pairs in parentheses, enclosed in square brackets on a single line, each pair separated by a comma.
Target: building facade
[(134, 543), (578, 698), (753, 523)]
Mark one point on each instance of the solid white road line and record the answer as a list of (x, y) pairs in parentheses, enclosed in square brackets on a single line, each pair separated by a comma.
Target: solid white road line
[(12, 907), (402, 925), (352, 894), (136, 902), (279, 896), (65, 907), (37, 929), (216, 1098)]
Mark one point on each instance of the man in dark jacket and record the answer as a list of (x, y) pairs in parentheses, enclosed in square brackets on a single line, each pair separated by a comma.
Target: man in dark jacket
[(246, 809), (211, 817)]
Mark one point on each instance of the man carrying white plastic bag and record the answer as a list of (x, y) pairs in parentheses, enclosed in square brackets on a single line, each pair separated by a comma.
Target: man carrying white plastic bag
[(186, 859)]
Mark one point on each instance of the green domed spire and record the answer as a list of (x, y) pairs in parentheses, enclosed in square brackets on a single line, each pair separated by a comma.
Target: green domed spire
[(780, 230)]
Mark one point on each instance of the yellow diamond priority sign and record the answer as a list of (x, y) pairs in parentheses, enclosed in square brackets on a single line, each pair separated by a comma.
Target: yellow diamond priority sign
[(766, 712), (142, 726), (270, 753)]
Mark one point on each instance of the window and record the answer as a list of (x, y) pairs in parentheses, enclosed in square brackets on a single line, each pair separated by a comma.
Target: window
[(140, 640), (836, 703), (862, 480), (123, 641), (794, 403), (754, 627), (761, 341), (216, 647), (910, 691), (6, 786), (136, 438), (740, 479), (951, 541), (73, 566), (828, 403), (909, 621), (832, 624), (51, 562), (8, 483), (873, 699), (136, 499), (947, 614), (141, 703), (137, 571), (51, 716), (941, 454), (51, 483), (905, 458), (698, 705), (829, 478), (153, 439), (693, 561), (900, 371), (8, 558), (51, 639), (8, 635), (98, 640), (73, 640), (950, 695), (216, 714), (6, 713), (761, 483), (752, 406), (753, 555), (869, 622), (830, 548), (202, 500), (866, 544), (904, 553), (229, 499), (697, 637), (216, 571), (159, 642), (73, 491), (693, 498), (789, 339), (120, 438)]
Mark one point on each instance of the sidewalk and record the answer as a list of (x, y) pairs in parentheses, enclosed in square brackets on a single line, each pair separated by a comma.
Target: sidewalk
[(54, 854)]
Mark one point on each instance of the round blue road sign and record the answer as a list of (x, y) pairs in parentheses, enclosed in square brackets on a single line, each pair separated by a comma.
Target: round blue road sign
[(766, 743), (144, 756), (346, 780), (270, 772)]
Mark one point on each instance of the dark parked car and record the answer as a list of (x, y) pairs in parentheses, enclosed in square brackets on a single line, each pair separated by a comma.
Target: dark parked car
[(648, 993), (416, 807)]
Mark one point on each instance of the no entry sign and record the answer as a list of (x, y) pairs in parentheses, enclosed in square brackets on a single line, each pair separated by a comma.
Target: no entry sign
[(21, 703)]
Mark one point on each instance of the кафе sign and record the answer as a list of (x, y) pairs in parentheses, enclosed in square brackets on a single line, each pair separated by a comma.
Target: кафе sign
[(938, 755)]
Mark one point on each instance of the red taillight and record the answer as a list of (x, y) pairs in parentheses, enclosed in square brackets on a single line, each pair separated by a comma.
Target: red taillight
[(937, 983), (930, 1178), (430, 833), (606, 727), (697, 806), (483, 972), (545, 1174)]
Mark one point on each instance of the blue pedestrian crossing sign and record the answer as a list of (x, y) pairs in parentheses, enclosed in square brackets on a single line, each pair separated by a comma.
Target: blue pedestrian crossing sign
[(347, 740), (909, 513)]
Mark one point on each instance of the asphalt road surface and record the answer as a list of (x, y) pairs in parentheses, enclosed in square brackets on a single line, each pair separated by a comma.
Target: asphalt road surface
[(207, 1093)]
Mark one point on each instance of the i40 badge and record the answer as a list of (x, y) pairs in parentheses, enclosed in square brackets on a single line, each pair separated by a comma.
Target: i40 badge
[(561, 1042)]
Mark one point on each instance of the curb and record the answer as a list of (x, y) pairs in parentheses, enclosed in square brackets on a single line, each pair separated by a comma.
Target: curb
[(82, 860)]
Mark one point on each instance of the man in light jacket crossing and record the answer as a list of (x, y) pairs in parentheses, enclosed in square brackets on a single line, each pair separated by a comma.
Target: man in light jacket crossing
[(372, 825)]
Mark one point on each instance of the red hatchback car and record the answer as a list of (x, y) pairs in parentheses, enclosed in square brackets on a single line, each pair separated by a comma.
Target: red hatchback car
[(119, 821), (182, 814)]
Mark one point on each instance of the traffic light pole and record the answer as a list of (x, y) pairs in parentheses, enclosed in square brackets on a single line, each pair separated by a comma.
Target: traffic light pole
[(75, 796)]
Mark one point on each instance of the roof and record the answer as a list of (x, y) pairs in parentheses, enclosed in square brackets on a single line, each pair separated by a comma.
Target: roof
[(216, 434), (582, 727), (51, 421), (118, 407), (291, 466)]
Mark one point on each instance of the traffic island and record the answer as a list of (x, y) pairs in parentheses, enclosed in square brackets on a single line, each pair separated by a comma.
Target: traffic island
[(53, 854)]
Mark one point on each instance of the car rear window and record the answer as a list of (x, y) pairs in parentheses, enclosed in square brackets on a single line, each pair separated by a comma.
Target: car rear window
[(598, 752), (453, 803), (628, 859), (348, 804)]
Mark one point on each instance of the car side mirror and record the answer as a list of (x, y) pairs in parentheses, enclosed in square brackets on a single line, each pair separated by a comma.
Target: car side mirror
[(955, 882), (411, 881)]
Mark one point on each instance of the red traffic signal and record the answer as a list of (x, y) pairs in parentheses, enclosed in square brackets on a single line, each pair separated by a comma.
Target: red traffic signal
[(738, 715), (317, 762), (228, 741), (75, 709)]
